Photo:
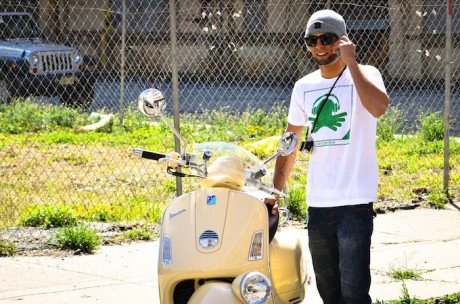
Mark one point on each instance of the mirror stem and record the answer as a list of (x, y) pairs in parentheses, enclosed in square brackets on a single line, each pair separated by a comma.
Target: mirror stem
[(176, 133), (270, 158)]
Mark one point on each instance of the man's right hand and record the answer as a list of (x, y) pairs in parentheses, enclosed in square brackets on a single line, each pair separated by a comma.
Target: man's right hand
[(272, 202)]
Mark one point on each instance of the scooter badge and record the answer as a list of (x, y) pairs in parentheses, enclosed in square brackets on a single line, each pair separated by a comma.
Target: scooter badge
[(211, 200)]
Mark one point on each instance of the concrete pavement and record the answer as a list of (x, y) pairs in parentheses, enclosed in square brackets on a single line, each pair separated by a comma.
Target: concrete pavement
[(427, 241)]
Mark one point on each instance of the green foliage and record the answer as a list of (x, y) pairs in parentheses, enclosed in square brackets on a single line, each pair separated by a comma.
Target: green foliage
[(7, 248), (404, 274), (123, 208), (25, 116), (450, 299), (406, 299), (264, 147), (169, 186), (406, 162), (389, 124), (73, 159), (432, 126), (438, 199), (130, 121), (139, 234), (79, 238), (234, 127), (58, 116), (101, 212), (296, 202), (48, 216)]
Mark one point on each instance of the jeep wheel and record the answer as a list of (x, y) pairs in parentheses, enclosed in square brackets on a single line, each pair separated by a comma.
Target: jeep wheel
[(80, 96), (5, 94)]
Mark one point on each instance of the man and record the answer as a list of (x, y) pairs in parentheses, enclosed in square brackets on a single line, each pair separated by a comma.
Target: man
[(340, 104)]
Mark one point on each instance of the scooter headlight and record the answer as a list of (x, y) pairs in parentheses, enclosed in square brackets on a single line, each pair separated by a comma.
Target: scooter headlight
[(255, 288)]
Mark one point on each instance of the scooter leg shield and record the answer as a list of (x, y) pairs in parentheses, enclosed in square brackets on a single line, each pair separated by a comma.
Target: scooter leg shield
[(214, 292)]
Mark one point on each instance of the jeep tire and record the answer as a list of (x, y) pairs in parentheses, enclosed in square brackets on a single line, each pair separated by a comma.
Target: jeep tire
[(79, 96), (5, 92)]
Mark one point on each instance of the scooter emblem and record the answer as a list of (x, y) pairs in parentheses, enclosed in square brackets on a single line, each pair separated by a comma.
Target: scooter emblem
[(173, 214), (211, 200)]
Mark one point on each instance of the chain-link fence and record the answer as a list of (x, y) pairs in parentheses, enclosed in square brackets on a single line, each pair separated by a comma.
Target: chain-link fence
[(240, 54), (235, 55)]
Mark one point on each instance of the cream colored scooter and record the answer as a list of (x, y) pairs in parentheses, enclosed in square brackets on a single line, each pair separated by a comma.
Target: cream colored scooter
[(218, 243)]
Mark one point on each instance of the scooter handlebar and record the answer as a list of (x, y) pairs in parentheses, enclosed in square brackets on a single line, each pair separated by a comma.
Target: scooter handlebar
[(265, 188), (148, 154)]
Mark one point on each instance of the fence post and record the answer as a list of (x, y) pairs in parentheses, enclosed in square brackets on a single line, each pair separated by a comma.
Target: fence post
[(123, 60), (175, 82), (447, 101)]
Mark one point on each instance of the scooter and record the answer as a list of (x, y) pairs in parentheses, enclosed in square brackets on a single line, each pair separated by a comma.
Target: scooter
[(218, 243)]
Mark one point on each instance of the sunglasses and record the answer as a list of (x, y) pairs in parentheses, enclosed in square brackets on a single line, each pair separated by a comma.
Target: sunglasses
[(326, 39)]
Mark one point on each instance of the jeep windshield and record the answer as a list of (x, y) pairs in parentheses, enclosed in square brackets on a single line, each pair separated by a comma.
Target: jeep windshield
[(18, 26)]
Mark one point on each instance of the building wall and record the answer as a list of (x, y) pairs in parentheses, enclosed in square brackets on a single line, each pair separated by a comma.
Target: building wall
[(409, 53)]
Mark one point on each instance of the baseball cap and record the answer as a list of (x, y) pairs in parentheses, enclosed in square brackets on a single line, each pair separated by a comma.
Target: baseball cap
[(326, 21)]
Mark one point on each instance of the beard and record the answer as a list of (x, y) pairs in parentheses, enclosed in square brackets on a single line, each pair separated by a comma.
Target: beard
[(331, 58)]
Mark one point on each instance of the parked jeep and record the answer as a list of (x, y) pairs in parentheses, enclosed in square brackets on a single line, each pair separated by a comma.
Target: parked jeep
[(31, 66)]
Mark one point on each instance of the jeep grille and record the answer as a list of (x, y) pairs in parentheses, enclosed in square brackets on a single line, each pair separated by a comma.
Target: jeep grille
[(56, 63)]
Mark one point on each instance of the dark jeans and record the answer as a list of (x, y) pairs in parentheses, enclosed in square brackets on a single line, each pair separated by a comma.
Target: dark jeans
[(340, 239)]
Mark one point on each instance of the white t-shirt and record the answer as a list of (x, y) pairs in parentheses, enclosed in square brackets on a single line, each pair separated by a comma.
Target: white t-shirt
[(343, 166)]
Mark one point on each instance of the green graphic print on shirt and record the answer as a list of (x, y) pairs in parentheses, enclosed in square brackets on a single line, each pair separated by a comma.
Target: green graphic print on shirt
[(333, 125), (327, 108)]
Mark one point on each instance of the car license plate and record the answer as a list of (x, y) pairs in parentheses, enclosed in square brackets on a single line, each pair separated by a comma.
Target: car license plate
[(66, 80)]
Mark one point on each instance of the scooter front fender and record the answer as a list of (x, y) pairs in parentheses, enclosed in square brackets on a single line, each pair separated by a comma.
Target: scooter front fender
[(214, 292)]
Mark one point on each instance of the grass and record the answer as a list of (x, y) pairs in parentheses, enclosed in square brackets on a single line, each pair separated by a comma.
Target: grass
[(79, 238), (404, 274), (138, 234), (51, 169), (405, 298)]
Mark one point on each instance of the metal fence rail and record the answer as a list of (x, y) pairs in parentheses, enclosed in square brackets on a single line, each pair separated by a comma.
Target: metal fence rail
[(235, 55)]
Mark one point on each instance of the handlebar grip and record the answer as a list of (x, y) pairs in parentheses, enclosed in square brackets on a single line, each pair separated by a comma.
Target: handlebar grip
[(149, 154)]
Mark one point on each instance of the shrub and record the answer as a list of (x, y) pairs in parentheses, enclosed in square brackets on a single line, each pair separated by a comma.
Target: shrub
[(63, 117), (25, 116), (432, 126), (48, 217), (78, 238), (7, 248), (296, 202), (437, 199), (389, 124)]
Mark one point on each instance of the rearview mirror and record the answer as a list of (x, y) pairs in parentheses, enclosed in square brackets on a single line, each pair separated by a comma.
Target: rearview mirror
[(151, 103), (287, 143)]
